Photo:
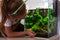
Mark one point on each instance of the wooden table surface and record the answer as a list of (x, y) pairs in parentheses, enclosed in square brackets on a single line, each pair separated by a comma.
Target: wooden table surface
[(56, 37)]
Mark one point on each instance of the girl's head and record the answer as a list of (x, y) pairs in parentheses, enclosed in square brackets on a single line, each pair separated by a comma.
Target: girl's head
[(8, 7)]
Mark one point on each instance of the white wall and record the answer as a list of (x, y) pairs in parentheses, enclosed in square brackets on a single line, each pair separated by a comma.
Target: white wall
[(32, 4), (59, 17), (0, 11)]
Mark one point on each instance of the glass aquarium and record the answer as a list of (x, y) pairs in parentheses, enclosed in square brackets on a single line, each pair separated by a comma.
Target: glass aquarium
[(43, 19)]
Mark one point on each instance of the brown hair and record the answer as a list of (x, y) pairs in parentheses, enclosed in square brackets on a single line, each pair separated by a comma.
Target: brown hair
[(3, 2), (8, 7)]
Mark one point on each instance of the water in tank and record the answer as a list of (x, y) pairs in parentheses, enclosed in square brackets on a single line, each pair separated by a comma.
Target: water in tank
[(42, 19)]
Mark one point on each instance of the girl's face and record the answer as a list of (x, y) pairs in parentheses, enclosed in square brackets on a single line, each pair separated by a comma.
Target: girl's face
[(22, 16), (17, 16)]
